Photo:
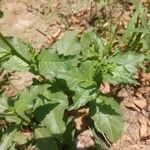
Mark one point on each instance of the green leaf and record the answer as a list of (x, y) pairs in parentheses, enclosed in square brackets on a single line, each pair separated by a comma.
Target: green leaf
[(118, 75), (4, 46), (82, 76), (107, 117), (92, 45), (130, 60), (20, 47), (82, 97), (3, 52), (51, 112), (8, 137), (12, 119), (44, 140), (68, 45), (25, 100), (51, 64), (69, 134), (121, 67), (16, 47), (131, 25), (15, 64), (54, 120)]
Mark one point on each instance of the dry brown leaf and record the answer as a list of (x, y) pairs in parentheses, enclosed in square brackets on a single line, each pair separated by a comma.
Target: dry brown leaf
[(20, 80), (17, 82), (144, 127)]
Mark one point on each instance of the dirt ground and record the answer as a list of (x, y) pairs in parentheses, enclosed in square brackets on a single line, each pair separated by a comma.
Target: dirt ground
[(42, 23)]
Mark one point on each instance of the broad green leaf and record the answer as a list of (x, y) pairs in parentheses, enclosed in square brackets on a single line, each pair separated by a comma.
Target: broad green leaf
[(51, 65), (44, 140), (130, 60), (5, 110), (121, 67), (20, 47), (107, 117), (51, 113), (25, 100), (118, 75), (68, 45), (3, 52), (8, 137), (68, 136), (92, 45), (82, 76), (3, 45), (54, 120), (82, 97), (15, 46), (15, 64)]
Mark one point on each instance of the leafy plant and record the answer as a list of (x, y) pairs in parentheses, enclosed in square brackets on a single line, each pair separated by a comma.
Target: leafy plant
[(72, 71)]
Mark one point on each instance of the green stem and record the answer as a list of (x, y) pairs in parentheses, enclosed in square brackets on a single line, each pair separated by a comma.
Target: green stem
[(12, 49)]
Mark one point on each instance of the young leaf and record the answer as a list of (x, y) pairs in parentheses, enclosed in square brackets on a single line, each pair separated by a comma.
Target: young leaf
[(82, 76), (44, 140), (107, 117), (68, 45), (92, 45)]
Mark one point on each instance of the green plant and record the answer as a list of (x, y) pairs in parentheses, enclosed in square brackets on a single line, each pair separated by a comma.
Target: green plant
[(72, 71)]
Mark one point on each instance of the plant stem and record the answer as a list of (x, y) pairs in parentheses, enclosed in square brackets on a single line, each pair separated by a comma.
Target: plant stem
[(12, 49)]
